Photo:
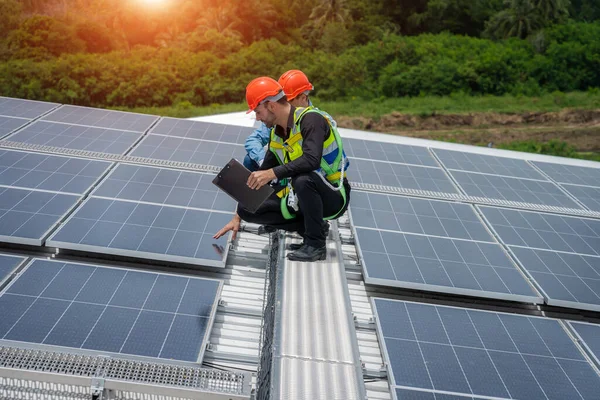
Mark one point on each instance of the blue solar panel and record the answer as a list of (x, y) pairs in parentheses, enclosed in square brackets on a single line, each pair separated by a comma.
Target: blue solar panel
[(118, 120), (48, 172), (137, 313), (391, 152), (589, 337), (570, 173), (589, 196), (164, 187), (513, 189), (565, 279), (76, 137), (188, 150), (29, 109), (145, 231), (413, 215), (486, 164), (408, 394), (545, 231), (8, 264), (9, 124), (27, 217), (185, 128), (441, 265), (401, 176), (480, 353)]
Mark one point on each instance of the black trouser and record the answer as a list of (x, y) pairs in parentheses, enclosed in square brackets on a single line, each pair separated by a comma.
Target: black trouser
[(316, 200)]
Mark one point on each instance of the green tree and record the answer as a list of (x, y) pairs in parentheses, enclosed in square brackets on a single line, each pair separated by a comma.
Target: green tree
[(10, 10), (520, 19)]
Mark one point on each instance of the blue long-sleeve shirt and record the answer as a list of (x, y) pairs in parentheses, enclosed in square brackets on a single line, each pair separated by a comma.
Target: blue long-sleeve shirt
[(256, 142)]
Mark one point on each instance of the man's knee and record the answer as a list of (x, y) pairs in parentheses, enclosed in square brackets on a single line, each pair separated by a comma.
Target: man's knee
[(250, 163), (302, 181)]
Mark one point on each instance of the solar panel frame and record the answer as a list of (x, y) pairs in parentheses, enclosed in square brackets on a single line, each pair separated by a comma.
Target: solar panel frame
[(101, 118), (185, 128), (589, 286), (85, 351), (388, 359), (195, 151), (389, 152), (222, 249), (152, 183), (593, 353), (14, 263), (513, 189), (589, 196), (11, 124), (37, 240), (76, 137), (570, 174), (29, 109)]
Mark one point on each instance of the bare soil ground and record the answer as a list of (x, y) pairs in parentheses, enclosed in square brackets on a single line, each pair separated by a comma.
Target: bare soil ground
[(579, 128)]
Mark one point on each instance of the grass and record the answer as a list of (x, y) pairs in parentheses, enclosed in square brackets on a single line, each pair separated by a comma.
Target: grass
[(424, 106)]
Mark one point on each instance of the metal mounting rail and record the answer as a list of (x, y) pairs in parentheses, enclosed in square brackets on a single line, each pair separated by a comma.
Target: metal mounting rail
[(315, 349), (108, 157)]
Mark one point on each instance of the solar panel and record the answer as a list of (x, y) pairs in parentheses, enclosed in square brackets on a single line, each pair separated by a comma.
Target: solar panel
[(513, 189), (589, 196), (413, 215), (460, 351), (145, 231), (401, 176), (589, 337), (117, 120), (185, 128), (8, 264), (441, 265), (112, 310), (470, 162), (545, 231), (27, 216), (391, 152), (76, 137), (9, 124), (24, 108), (49, 172), (164, 187), (188, 150), (566, 280), (408, 394), (570, 173)]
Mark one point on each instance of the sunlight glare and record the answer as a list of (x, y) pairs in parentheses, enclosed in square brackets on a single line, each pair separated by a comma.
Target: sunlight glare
[(153, 3)]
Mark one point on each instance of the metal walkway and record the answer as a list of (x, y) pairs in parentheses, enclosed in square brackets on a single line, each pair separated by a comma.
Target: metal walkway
[(315, 349)]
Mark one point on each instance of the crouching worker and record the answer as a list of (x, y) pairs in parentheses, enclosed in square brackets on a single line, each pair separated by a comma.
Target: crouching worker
[(306, 153)]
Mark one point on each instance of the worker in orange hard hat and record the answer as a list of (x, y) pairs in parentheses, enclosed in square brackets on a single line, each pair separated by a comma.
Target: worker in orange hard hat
[(306, 153)]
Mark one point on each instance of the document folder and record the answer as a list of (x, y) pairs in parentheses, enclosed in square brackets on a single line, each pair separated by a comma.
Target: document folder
[(233, 180)]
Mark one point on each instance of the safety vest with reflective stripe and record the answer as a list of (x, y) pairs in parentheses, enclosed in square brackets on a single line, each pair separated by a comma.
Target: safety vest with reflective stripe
[(334, 162)]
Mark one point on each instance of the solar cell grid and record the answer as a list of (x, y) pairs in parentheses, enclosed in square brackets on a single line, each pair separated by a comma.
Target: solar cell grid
[(487, 164), (570, 174), (145, 231), (9, 124), (188, 150), (109, 310), (412, 215), (27, 216), (8, 264), (513, 189), (118, 120), (401, 176), (49, 172), (29, 109), (76, 137), (589, 335), (371, 150), (164, 187), (589, 196), (469, 352), (545, 231), (202, 130)]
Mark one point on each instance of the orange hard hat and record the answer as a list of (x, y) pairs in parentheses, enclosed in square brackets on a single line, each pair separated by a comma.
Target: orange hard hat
[(262, 89), (294, 82)]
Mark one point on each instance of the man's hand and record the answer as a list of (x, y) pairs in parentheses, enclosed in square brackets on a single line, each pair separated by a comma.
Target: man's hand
[(233, 225), (258, 179)]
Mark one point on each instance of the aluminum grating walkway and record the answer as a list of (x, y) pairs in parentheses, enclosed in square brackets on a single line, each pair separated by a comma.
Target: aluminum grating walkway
[(315, 352)]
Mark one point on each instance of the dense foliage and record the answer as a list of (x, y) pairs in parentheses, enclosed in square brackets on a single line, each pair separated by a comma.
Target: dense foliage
[(120, 53)]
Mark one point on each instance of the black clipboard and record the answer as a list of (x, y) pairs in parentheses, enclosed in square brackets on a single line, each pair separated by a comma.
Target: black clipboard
[(233, 180)]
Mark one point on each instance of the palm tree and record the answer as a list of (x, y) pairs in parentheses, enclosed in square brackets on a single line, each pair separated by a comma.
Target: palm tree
[(329, 11), (553, 10), (520, 19)]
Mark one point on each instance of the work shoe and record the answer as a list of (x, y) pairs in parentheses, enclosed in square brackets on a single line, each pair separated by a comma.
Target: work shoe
[(308, 253), (263, 229), (296, 246)]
